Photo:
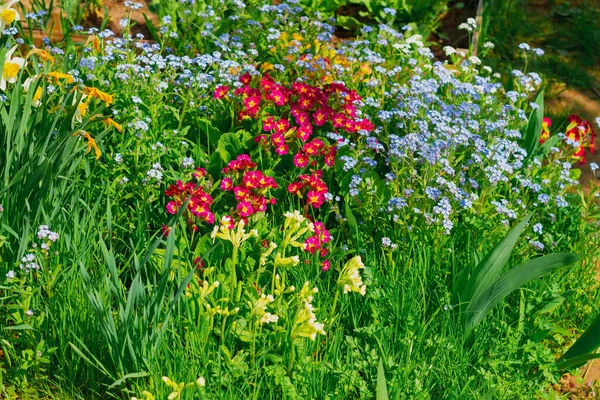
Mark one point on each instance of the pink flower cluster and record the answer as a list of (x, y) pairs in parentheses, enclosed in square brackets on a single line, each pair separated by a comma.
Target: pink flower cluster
[(316, 243), (198, 207), (313, 186), (301, 103), (249, 186)]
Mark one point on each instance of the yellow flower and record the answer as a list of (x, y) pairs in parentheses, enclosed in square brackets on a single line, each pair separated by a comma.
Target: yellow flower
[(306, 324), (365, 69), (294, 226), (147, 396), (285, 262), (111, 122), (8, 14), (43, 54), (80, 111), (235, 236), (91, 143), (259, 309), (95, 92), (94, 41), (12, 66), (37, 96), (266, 67), (59, 75), (350, 278)]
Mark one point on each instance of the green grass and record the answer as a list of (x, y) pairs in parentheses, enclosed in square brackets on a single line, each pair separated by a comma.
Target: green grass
[(118, 304)]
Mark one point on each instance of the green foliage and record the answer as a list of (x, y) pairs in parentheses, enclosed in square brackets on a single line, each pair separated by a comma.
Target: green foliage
[(143, 292)]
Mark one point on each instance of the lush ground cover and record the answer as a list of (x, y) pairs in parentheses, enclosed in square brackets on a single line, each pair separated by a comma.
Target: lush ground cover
[(248, 208)]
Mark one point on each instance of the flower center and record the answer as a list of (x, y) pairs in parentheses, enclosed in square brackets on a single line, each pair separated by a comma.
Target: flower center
[(8, 15), (11, 70)]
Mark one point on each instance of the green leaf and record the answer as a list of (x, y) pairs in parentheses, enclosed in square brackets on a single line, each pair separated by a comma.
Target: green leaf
[(576, 362), (491, 266), (587, 343), (382, 392), (231, 143), (151, 28), (210, 130), (352, 221), (484, 301), (533, 129), (20, 327), (119, 382), (215, 165), (552, 305)]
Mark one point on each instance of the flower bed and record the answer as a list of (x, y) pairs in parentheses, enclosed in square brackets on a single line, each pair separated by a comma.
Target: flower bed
[(250, 208)]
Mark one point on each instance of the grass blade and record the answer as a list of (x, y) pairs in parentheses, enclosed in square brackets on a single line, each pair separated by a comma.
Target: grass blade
[(382, 392)]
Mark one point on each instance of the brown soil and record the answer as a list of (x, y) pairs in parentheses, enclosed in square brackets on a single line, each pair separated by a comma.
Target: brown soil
[(584, 387), (448, 33), (117, 11)]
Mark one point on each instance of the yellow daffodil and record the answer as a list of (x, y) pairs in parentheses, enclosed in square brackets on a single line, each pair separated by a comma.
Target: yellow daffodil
[(98, 94), (43, 54), (12, 66), (94, 42), (111, 122), (8, 14), (56, 76), (37, 96), (91, 143), (81, 110)]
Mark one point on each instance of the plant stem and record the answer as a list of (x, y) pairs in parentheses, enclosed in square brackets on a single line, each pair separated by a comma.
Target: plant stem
[(233, 273)]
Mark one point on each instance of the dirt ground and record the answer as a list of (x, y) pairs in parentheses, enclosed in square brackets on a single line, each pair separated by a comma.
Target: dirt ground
[(115, 9)]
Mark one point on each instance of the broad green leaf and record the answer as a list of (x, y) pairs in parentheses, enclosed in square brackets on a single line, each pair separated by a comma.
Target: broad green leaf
[(576, 362), (587, 343), (230, 142), (484, 301), (490, 268), (552, 305)]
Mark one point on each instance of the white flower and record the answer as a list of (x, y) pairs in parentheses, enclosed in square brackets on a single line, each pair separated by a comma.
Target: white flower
[(267, 318), (449, 50), (81, 111), (8, 14), (12, 66), (37, 96)]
